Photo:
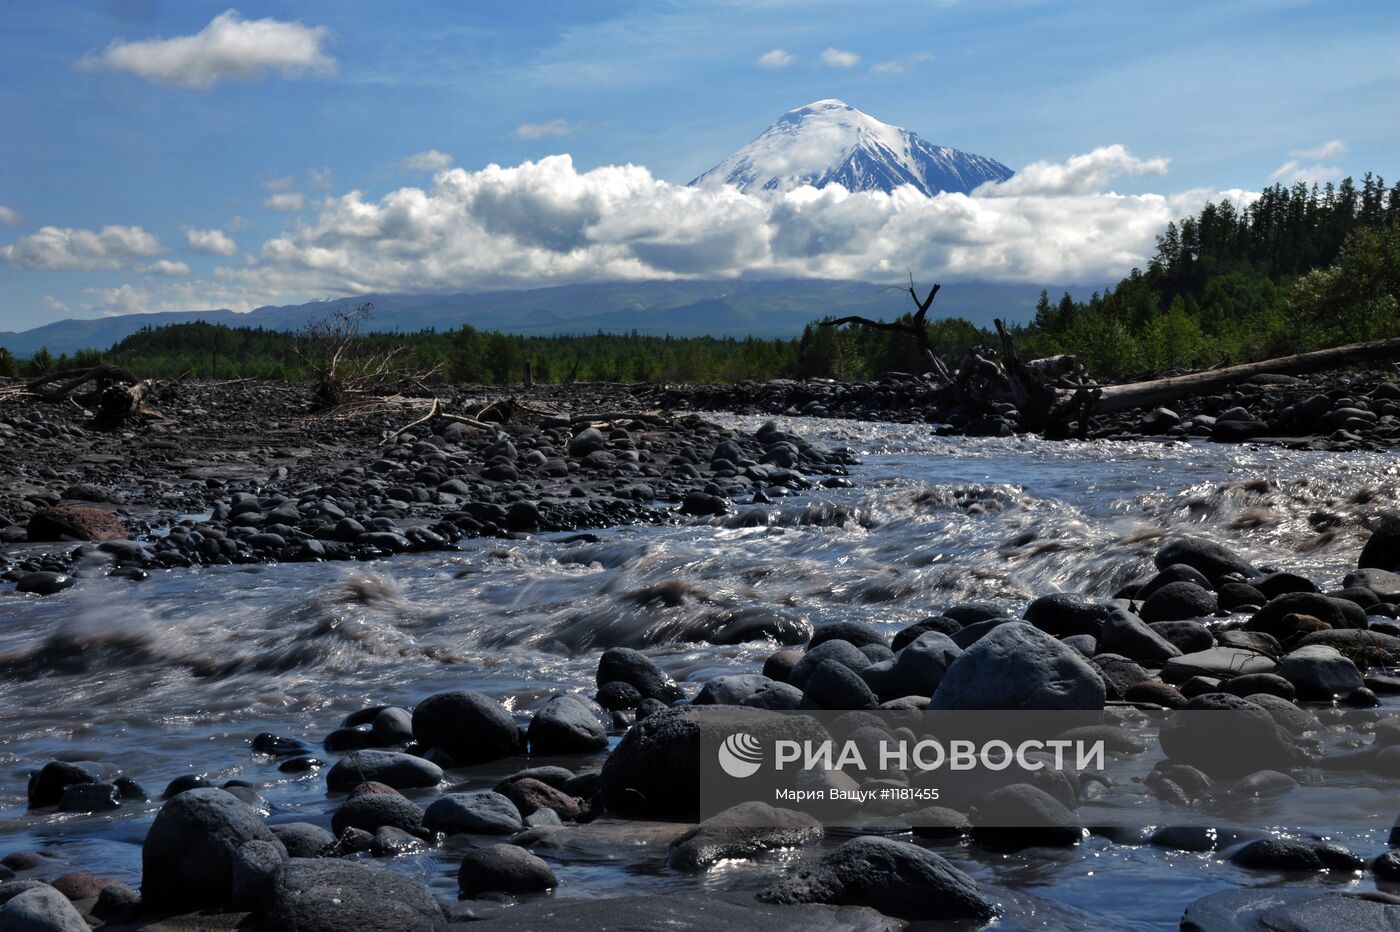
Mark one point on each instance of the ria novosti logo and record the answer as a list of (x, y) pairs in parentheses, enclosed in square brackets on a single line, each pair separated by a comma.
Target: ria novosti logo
[(740, 755)]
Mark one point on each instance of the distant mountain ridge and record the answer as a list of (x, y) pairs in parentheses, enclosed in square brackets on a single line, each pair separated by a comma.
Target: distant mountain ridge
[(760, 308), (831, 142)]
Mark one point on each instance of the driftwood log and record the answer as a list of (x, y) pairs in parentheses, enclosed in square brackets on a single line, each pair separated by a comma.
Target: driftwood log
[(1157, 392)]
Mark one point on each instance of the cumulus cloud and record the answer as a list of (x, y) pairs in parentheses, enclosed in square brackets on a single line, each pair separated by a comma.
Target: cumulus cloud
[(230, 47), (321, 178), (1080, 174), (777, 58), (286, 202), (9, 217), (1311, 164), (210, 242), (429, 161), (170, 267), (124, 299), (547, 222), (541, 130), (839, 58), (112, 247), (53, 304)]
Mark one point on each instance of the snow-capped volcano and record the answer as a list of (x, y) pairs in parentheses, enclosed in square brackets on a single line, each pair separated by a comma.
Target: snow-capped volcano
[(831, 142)]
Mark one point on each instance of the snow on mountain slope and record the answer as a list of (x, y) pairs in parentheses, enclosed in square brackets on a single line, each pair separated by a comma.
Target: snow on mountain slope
[(831, 142)]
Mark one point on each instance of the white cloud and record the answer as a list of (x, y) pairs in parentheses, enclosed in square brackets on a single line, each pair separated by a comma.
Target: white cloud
[(53, 304), (839, 58), (546, 221), (1332, 149), (777, 58), (1080, 174), (1311, 164), (170, 267), (237, 225), (9, 217), (541, 130), (901, 65), (230, 47), (211, 242), (279, 183), (321, 178), (121, 300), (286, 202), (429, 161), (112, 247)]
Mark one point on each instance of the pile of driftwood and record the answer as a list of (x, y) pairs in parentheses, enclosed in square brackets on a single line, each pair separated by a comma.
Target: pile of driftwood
[(114, 394), (1054, 396)]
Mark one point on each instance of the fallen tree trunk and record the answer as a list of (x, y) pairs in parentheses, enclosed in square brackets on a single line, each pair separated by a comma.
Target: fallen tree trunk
[(117, 402), (1157, 392)]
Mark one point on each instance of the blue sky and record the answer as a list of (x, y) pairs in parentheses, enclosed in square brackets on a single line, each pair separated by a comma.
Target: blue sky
[(139, 139)]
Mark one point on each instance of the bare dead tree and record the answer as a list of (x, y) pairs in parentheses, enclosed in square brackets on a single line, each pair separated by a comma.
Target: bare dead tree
[(916, 327), (342, 367)]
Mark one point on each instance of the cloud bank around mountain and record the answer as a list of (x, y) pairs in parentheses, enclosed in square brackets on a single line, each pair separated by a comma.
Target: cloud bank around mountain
[(546, 222)]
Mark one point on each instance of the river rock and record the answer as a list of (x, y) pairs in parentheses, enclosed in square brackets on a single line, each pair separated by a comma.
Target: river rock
[(1273, 617), (1189, 637), (1061, 614), (1120, 674), (46, 787), (916, 670), (302, 839), (655, 768), (1385, 584), (44, 582), (1252, 684), (838, 651), (1209, 558), (75, 522), (731, 690), (834, 686), (625, 665), (392, 768), (566, 725), (775, 697), (484, 812), (895, 877), (41, 909), (504, 869), (1226, 746), (1319, 672), (1287, 909), (530, 795), (471, 727), (1126, 634), (742, 831), (335, 895), (187, 857), (1284, 854), (368, 813), (1179, 601), (1177, 572), (1018, 666), (852, 632), (1218, 662), (1022, 816), (1382, 549)]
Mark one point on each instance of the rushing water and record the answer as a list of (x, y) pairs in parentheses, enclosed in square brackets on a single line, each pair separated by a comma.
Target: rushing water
[(175, 674)]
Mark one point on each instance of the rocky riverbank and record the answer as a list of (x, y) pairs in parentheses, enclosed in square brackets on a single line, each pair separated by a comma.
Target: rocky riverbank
[(512, 797), (1331, 411), (239, 472)]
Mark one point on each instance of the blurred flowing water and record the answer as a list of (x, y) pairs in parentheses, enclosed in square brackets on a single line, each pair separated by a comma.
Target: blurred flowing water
[(176, 674)]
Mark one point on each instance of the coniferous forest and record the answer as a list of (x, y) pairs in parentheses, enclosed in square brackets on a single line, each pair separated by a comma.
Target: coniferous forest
[(1298, 268)]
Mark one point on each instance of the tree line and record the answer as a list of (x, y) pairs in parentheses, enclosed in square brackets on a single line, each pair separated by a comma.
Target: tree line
[(1301, 267)]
